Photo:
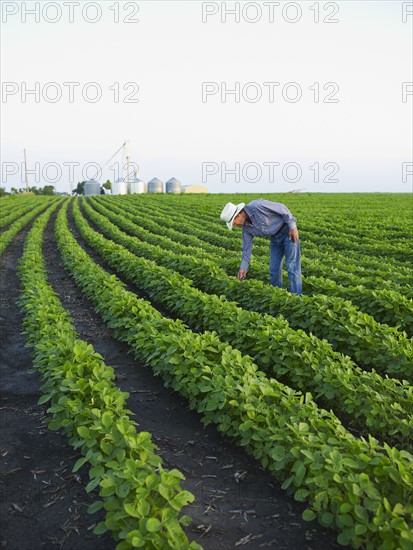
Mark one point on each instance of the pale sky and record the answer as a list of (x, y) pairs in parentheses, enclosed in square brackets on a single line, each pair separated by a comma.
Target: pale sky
[(316, 100)]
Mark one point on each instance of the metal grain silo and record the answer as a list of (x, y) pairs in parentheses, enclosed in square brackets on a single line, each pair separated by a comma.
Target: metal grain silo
[(92, 187), (173, 186), (137, 186), (155, 186), (119, 187)]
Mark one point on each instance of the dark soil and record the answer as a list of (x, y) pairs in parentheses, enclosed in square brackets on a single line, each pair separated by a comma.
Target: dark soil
[(237, 503)]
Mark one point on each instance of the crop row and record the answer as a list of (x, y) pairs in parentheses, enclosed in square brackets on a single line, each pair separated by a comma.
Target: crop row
[(358, 486), (367, 224), (346, 328), (367, 266), (7, 236), (362, 239), (9, 204), (15, 212), (141, 499), (383, 407), (386, 306), (377, 249)]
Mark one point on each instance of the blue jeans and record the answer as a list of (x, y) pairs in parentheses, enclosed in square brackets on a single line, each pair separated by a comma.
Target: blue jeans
[(280, 246)]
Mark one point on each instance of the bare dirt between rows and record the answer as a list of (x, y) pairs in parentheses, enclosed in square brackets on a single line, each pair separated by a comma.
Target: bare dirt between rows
[(237, 503)]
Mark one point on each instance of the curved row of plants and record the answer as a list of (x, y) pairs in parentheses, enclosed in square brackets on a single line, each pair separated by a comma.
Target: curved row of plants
[(386, 306), (381, 407), (348, 330), (361, 236), (142, 500), (369, 223), (10, 213), (359, 487), (10, 204), (7, 236), (7, 206), (383, 272), (376, 249)]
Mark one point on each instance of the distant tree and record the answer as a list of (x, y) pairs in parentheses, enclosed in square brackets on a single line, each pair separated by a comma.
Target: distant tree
[(14, 191), (3, 192), (80, 189), (107, 185), (48, 190)]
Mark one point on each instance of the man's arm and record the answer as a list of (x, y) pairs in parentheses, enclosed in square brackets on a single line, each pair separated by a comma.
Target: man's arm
[(247, 240)]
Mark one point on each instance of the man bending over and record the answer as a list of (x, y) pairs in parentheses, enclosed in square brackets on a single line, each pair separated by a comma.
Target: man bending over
[(262, 218)]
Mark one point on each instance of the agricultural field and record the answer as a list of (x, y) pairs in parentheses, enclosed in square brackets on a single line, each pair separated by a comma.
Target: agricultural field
[(150, 399)]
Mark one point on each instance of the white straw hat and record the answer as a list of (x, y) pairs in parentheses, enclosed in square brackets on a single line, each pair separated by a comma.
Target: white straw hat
[(230, 211)]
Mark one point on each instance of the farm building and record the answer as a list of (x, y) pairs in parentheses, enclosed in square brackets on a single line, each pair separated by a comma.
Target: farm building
[(194, 189)]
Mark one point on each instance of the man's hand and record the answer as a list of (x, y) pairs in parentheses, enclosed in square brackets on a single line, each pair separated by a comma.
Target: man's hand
[(242, 273), (293, 234)]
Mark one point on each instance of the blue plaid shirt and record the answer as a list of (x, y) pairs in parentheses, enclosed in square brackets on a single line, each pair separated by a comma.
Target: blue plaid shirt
[(266, 218)]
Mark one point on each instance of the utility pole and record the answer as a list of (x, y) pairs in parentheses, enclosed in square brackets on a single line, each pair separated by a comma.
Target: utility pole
[(25, 172)]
